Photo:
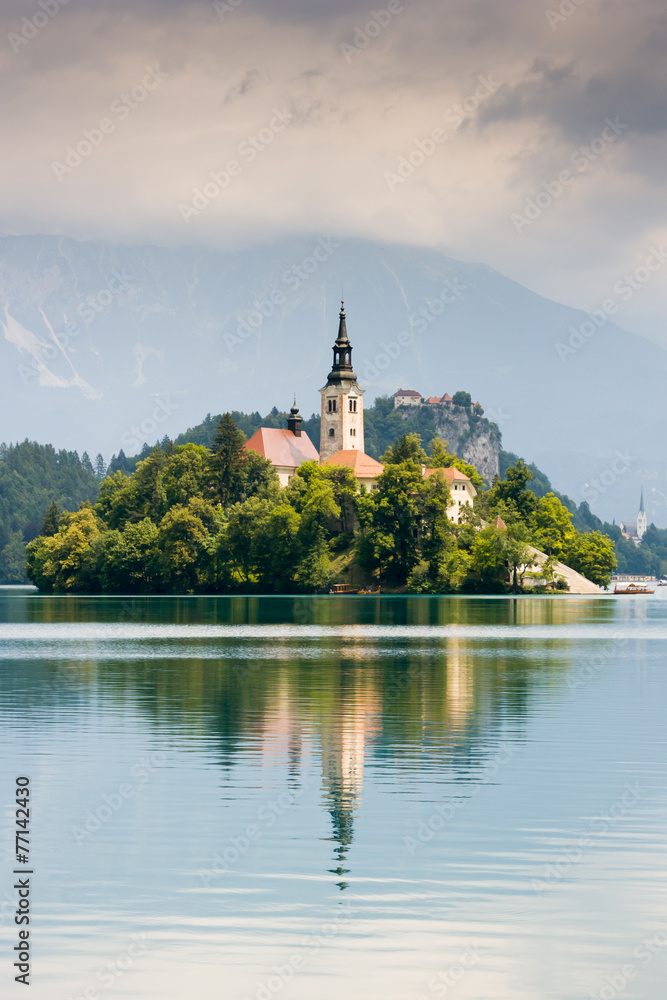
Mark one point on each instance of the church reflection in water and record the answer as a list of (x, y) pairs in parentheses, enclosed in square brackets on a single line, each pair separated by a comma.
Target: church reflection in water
[(343, 740)]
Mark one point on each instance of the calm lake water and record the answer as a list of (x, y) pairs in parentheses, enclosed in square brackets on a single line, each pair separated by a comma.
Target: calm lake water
[(338, 798)]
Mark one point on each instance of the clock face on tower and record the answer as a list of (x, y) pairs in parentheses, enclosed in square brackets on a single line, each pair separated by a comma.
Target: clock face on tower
[(342, 427)]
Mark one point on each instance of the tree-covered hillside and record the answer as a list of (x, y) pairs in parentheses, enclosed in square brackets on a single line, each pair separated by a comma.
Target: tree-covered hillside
[(32, 476)]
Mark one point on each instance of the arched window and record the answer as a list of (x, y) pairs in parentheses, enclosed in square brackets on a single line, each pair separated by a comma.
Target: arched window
[(332, 432)]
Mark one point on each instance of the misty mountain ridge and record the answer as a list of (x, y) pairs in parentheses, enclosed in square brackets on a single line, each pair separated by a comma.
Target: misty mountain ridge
[(106, 345)]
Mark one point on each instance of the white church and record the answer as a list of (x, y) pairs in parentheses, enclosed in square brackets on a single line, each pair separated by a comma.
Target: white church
[(341, 433)]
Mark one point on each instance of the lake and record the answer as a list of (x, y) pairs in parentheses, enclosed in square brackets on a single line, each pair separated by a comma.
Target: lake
[(337, 798)]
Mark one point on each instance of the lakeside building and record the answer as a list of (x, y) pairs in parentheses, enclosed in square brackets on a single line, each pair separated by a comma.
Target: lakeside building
[(635, 530), (342, 431)]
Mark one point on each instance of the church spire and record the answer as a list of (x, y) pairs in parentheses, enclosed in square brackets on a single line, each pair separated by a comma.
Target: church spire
[(342, 326), (341, 370), (641, 502)]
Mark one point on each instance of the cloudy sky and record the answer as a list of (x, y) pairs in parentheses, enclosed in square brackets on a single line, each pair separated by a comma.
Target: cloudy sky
[(524, 134)]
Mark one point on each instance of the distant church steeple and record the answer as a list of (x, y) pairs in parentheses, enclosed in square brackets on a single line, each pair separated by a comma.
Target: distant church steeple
[(642, 520), (342, 426)]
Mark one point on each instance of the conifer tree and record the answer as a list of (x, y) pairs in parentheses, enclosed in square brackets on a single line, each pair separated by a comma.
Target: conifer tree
[(51, 520), (228, 461)]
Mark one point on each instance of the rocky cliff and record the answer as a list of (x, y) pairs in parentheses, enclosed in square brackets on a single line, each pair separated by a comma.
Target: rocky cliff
[(471, 437)]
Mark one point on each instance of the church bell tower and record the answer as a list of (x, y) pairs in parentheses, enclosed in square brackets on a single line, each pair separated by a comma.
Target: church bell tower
[(342, 427)]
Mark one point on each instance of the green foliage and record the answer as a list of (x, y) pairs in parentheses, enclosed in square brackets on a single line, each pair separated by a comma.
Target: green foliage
[(193, 519), (461, 398), (407, 448), (592, 555), (63, 561), (510, 497), (32, 476), (551, 524)]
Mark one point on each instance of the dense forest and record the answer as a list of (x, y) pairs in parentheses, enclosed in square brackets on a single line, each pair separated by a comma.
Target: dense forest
[(31, 476), (192, 519)]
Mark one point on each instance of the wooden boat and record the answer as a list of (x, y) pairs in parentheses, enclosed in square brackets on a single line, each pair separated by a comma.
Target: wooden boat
[(368, 591), (632, 588), (343, 588)]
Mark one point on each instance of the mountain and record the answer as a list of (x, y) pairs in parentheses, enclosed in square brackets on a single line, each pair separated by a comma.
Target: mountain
[(107, 346)]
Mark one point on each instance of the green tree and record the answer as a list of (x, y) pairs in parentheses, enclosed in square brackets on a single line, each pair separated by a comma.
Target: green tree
[(510, 497), (391, 522), (100, 468), (129, 560), (461, 398), (186, 475), (592, 555), (498, 561), (13, 559), (407, 448), (51, 521), (551, 526), (63, 562), (183, 534), (227, 461)]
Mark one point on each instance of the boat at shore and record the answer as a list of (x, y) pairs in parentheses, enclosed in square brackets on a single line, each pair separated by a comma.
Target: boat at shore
[(632, 589), (346, 588)]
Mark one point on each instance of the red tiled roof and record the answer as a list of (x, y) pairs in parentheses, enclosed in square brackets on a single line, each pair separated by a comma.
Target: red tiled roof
[(500, 524), (282, 447), (363, 466), (433, 399), (446, 398), (449, 474), (407, 392)]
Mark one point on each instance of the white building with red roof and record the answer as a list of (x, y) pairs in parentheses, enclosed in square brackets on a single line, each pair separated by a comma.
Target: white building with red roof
[(407, 397), (286, 448), (461, 488)]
